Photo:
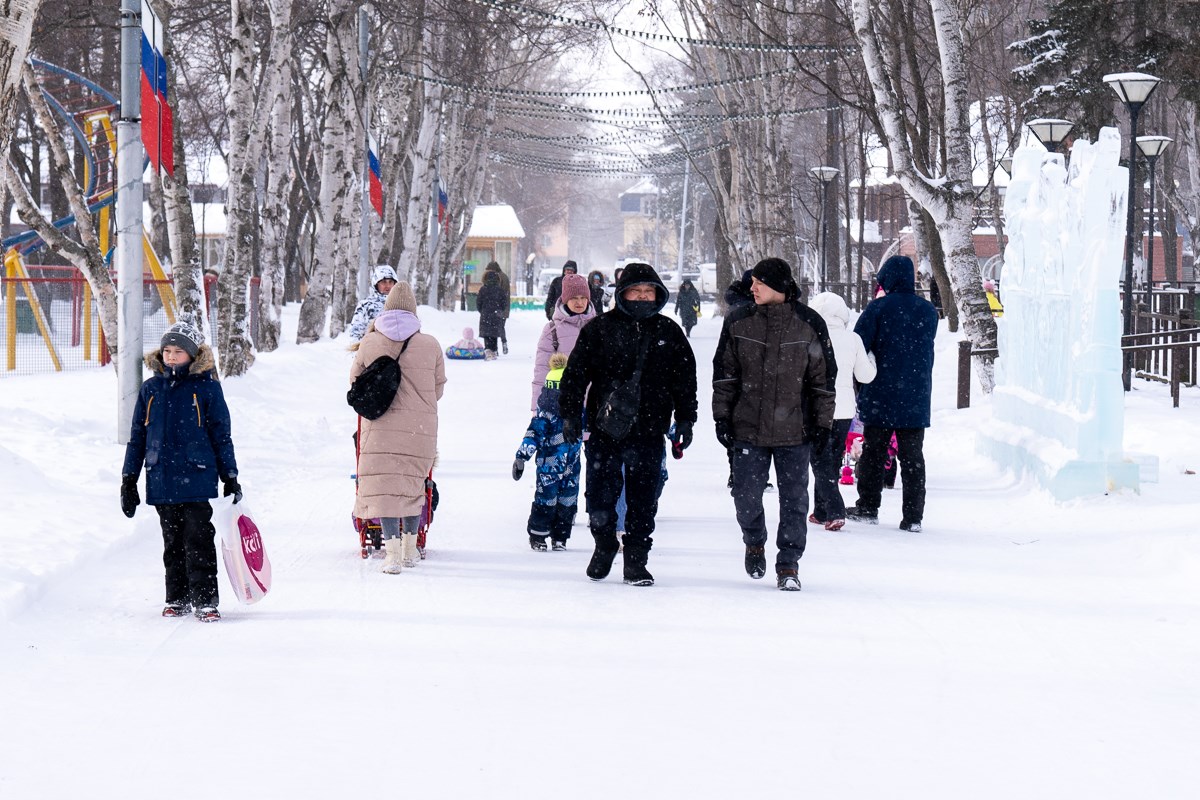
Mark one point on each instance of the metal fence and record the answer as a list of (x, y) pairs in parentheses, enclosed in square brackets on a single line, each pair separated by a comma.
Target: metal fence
[(49, 321)]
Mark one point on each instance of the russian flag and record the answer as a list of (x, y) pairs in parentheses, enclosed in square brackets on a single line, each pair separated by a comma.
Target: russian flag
[(442, 202), (374, 178), (157, 123)]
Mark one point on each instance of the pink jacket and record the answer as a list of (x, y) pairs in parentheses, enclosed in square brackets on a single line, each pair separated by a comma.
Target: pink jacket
[(564, 328)]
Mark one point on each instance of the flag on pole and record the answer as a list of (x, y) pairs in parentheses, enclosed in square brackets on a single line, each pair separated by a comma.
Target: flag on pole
[(157, 124), (374, 177)]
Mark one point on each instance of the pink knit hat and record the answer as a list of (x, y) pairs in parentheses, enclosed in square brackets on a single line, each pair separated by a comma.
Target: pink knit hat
[(575, 286)]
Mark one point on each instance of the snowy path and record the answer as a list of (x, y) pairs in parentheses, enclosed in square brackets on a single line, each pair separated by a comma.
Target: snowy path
[(1014, 649)]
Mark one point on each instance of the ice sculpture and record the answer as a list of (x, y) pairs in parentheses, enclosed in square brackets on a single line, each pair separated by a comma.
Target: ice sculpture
[(1059, 406)]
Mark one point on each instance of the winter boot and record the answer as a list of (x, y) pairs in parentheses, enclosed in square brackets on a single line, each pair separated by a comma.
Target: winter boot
[(602, 558), (858, 514), (411, 556), (786, 579), (393, 563), (504, 347), (756, 561), (558, 544), (537, 543), (637, 553), (177, 609), (207, 613), (911, 527)]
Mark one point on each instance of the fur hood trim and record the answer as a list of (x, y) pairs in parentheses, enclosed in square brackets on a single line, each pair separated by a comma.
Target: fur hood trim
[(202, 363)]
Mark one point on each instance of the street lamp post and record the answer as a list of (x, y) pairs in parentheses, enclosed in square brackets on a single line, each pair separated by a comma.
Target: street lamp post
[(1152, 147), (1050, 132), (1006, 165), (825, 175), (1134, 89)]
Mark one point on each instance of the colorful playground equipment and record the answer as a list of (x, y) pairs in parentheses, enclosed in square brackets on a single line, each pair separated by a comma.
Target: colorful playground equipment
[(88, 111)]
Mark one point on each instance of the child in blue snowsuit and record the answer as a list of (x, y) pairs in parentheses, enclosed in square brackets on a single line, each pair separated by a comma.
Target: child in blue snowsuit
[(181, 432), (557, 494)]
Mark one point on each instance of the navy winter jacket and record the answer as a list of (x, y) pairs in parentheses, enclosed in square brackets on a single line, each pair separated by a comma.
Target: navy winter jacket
[(899, 329), (181, 431)]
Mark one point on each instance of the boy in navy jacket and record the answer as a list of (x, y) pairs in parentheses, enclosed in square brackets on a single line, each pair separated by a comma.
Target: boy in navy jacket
[(181, 432)]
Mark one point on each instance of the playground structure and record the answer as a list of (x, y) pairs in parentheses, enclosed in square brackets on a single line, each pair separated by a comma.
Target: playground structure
[(88, 111)]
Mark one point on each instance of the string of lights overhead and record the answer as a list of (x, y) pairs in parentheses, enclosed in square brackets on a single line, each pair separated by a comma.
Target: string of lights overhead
[(526, 11)]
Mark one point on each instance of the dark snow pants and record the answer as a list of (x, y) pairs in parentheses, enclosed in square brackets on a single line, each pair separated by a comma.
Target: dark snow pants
[(189, 553), (827, 469), (910, 443), (642, 459), (751, 468)]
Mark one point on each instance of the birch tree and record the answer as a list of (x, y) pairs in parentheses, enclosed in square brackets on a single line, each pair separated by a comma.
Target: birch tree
[(949, 198), (16, 28), (274, 213)]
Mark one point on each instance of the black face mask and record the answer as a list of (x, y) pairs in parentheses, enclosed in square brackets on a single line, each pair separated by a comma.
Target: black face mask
[(640, 309)]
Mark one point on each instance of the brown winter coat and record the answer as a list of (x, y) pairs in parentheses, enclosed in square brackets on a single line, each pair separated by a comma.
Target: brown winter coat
[(773, 383), (397, 450)]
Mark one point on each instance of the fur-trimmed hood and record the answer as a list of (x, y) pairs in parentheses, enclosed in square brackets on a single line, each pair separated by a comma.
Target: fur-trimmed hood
[(204, 362)]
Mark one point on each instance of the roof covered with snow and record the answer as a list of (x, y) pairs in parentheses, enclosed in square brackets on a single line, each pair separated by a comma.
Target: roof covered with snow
[(496, 222), (644, 186)]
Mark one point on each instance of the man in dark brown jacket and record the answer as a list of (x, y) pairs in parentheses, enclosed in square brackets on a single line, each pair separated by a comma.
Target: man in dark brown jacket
[(771, 403)]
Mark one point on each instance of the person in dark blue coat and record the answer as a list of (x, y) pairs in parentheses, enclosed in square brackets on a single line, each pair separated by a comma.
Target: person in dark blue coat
[(181, 432), (898, 329)]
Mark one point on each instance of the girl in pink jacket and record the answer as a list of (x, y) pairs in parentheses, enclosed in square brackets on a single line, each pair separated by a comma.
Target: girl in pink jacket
[(574, 310)]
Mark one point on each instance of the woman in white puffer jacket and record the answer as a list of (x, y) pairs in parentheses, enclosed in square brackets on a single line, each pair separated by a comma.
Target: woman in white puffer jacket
[(853, 364)]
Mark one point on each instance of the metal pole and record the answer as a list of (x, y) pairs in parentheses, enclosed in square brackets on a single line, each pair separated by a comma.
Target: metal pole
[(1150, 244), (128, 256), (687, 170), (824, 234), (657, 217), (1127, 298), (364, 238)]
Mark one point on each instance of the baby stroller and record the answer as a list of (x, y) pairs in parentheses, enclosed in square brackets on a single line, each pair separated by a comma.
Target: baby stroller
[(370, 532)]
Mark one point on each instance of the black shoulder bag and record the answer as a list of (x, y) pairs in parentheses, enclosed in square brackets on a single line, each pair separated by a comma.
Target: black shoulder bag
[(618, 411), (375, 388)]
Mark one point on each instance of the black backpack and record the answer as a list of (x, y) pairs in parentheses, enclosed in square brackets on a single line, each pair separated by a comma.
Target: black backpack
[(375, 388)]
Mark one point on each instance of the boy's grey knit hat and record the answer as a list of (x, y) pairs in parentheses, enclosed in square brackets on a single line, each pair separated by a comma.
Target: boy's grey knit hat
[(185, 336)]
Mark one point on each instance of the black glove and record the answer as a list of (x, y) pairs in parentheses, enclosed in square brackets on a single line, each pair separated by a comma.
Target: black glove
[(683, 435), (129, 495), (571, 431), (232, 487), (518, 469), (725, 433), (817, 438)]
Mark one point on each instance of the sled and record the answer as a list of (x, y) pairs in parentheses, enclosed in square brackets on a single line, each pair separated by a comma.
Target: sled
[(370, 532)]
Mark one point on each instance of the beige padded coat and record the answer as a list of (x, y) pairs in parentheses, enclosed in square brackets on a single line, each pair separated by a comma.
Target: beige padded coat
[(397, 450)]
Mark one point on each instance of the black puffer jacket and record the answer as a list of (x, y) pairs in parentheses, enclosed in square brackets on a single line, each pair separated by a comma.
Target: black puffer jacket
[(606, 353)]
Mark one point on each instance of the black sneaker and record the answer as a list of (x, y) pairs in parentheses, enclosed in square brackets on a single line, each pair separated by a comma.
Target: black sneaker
[(537, 543), (177, 609), (911, 527), (786, 580), (558, 544), (638, 575), (869, 516), (208, 614), (601, 564), (756, 561)]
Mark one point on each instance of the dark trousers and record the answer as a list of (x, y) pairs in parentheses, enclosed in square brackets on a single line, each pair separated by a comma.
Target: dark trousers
[(634, 464), (910, 443), (189, 553), (751, 467), (489, 343), (827, 469), (554, 521)]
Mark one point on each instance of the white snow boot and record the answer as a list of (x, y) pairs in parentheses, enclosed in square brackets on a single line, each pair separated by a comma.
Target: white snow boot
[(394, 561), (411, 555)]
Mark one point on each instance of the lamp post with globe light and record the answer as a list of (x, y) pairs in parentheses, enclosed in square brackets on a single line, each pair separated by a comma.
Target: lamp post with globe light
[(1050, 132), (1152, 147), (1134, 89)]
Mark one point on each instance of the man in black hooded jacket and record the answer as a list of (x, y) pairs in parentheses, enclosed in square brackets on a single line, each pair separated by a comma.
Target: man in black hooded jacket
[(606, 355)]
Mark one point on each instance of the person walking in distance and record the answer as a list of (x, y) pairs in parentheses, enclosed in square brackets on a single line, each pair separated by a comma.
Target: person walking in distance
[(771, 404), (636, 369), (854, 364), (383, 278), (898, 328)]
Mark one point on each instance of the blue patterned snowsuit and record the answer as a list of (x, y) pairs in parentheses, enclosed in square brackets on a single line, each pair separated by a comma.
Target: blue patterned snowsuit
[(557, 495)]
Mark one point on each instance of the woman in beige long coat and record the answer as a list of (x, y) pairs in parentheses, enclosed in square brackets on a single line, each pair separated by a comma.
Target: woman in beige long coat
[(396, 451)]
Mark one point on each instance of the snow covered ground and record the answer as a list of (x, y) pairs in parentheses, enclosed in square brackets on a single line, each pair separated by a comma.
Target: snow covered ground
[(1015, 648)]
